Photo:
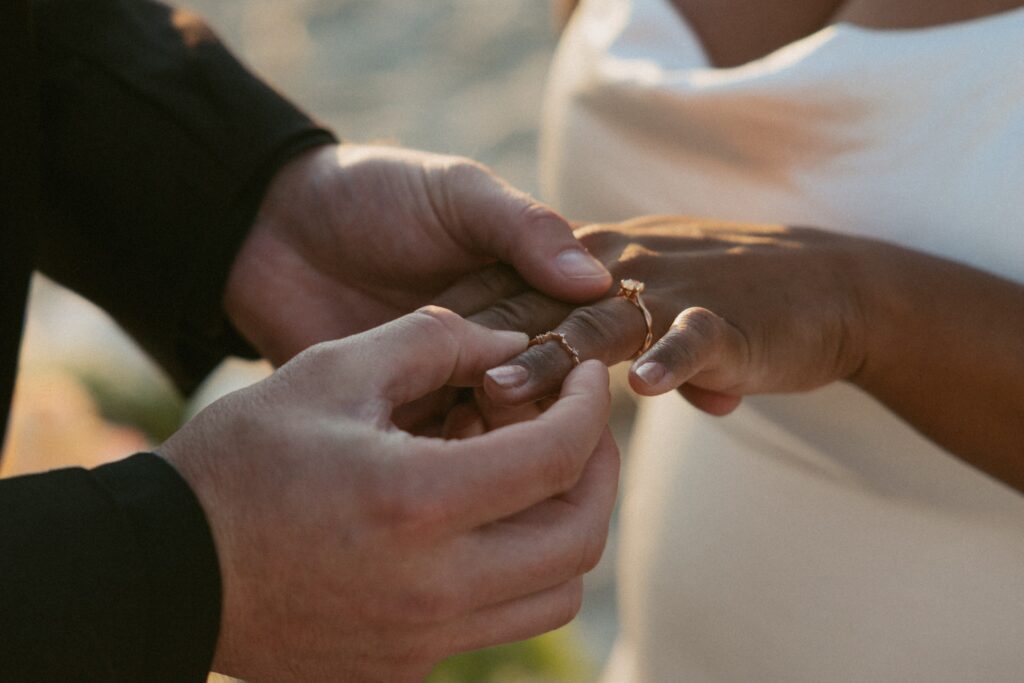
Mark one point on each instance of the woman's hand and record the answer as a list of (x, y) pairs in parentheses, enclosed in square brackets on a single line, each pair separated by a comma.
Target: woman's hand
[(736, 309), (743, 309)]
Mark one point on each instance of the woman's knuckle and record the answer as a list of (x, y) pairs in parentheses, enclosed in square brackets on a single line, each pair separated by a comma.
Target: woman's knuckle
[(700, 325), (496, 280), (591, 323), (699, 320), (504, 315)]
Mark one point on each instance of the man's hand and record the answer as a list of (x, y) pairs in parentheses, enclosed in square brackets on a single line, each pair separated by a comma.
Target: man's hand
[(349, 237), (351, 550)]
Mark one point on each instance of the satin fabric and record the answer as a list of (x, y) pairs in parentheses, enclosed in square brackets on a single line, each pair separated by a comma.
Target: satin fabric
[(811, 537)]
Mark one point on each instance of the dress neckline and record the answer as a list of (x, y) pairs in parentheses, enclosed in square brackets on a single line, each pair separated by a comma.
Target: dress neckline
[(811, 41)]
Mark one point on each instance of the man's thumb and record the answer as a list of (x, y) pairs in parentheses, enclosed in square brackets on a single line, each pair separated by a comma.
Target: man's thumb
[(497, 219)]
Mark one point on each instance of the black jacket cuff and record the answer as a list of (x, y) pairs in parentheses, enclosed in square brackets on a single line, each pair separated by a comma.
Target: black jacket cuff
[(109, 575), (182, 576)]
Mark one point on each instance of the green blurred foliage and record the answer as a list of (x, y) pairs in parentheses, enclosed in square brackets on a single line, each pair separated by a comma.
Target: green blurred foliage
[(136, 400), (555, 657)]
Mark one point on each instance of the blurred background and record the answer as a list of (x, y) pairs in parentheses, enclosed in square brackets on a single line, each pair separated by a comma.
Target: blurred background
[(453, 76)]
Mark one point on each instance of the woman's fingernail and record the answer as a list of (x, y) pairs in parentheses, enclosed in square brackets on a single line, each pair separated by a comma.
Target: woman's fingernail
[(651, 372), (508, 376), (576, 263)]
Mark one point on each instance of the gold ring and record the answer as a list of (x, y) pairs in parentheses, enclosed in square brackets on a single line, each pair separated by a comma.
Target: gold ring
[(562, 341), (630, 290)]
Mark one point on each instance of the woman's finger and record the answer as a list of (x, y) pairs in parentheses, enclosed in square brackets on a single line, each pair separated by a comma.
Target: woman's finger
[(481, 289), (530, 312), (699, 345), (610, 331)]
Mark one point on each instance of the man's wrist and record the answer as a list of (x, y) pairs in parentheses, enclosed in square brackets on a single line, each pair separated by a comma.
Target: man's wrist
[(274, 234), (273, 226)]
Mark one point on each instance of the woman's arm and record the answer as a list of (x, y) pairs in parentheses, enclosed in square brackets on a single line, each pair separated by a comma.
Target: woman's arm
[(744, 309), (946, 352)]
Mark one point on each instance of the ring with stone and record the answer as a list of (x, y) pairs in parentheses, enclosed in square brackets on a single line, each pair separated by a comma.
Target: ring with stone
[(630, 290)]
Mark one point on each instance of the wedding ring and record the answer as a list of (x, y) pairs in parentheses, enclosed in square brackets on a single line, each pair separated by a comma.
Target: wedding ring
[(630, 290), (562, 341)]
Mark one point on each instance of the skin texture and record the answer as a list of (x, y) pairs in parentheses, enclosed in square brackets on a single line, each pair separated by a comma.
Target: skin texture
[(734, 32), (950, 364), (744, 309), (351, 550), (349, 237)]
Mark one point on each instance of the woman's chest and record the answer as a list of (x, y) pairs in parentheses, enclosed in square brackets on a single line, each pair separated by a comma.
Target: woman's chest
[(914, 138), (735, 32)]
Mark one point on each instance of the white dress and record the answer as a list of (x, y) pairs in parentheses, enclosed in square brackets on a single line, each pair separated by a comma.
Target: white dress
[(810, 537)]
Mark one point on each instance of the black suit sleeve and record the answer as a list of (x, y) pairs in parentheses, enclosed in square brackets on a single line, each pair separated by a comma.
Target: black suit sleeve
[(107, 575), (157, 148)]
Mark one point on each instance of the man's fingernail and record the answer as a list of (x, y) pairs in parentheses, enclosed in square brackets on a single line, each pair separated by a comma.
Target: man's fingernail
[(508, 376), (513, 337), (576, 263), (651, 373)]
